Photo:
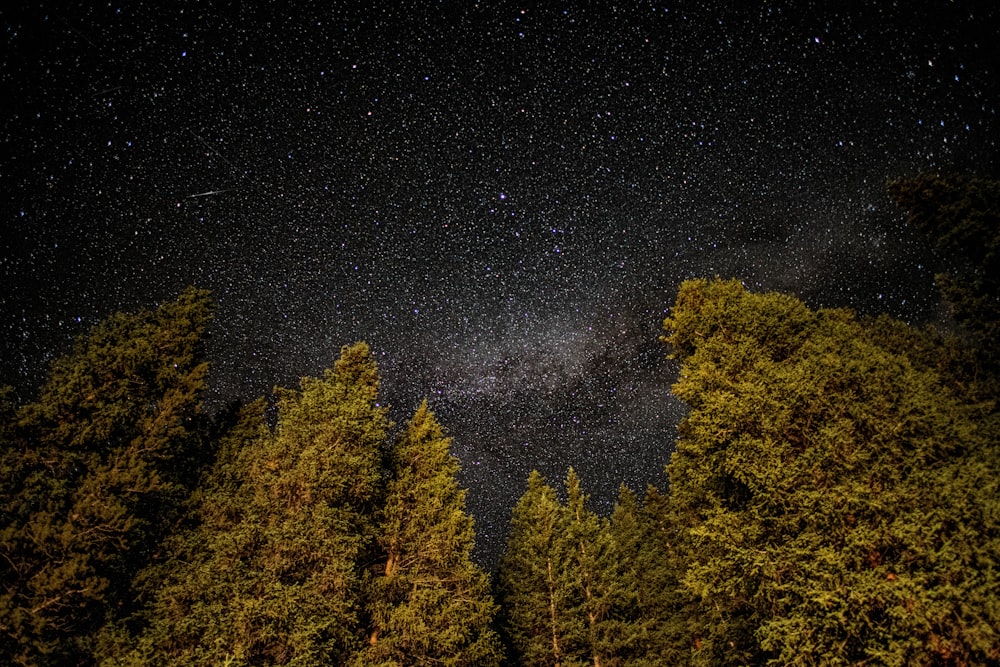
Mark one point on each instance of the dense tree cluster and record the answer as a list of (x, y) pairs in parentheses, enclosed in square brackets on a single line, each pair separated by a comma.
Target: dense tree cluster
[(834, 498), (130, 536), (579, 589), (91, 474)]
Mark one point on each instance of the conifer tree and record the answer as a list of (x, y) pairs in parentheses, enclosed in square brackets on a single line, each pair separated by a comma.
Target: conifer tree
[(192, 590), (430, 603), (646, 543), (93, 471), (271, 572), (539, 622), (566, 595), (838, 501), (960, 215), (606, 598)]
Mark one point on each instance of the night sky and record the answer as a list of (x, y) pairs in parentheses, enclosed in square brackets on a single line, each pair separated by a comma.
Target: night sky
[(500, 198)]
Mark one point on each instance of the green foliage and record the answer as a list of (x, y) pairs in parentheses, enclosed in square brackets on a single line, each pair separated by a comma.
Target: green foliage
[(538, 624), (430, 604), (649, 565), (593, 574), (92, 472), (568, 596), (834, 499), (270, 573), (838, 501)]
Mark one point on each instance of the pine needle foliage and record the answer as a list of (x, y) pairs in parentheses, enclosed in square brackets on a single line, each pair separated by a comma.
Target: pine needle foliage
[(271, 572), (838, 500), (539, 626), (604, 597), (566, 595), (92, 472), (645, 537), (429, 603)]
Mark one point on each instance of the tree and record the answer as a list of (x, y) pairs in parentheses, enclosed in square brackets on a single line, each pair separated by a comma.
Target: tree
[(191, 591), (538, 619), (92, 473), (838, 499), (566, 596), (961, 216), (605, 598), (646, 540), (430, 603), (270, 573)]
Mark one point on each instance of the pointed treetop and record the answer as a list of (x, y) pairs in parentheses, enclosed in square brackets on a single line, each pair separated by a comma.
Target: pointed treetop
[(536, 482), (626, 497), (356, 366), (575, 496), (424, 423)]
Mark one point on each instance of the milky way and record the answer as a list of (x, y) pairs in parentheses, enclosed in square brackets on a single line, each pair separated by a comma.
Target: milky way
[(501, 199)]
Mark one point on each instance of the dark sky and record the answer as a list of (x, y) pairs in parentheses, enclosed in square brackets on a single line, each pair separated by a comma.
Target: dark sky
[(500, 198)]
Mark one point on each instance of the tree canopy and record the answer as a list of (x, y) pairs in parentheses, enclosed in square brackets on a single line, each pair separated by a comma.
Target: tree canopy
[(839, 500), (961, 217), (92, 473)]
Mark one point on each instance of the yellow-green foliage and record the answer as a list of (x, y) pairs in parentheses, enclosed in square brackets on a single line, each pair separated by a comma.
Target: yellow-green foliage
[(270, 573), (839, 499), (93, 471), (429, 603), (567, 597)]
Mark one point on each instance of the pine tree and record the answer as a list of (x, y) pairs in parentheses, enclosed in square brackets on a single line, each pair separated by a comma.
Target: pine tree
[(594, 578), (646, 542), (322, 482), (92, 473), (567, 596), (838, 501), (960, 215), (431, 604), (539, 622), (271, 571)]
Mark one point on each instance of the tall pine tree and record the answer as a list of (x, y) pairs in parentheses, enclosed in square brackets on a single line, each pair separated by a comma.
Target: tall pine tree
[(271, 572), (539, 620), (604, 597), (646, 542), (567, 596), (430, 603)]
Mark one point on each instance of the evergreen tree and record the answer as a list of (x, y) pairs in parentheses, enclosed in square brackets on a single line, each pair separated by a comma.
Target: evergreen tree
[(961, 216), (566, 596), (838, 500), (271, 572), (191, 593), (431, 604), (605, 598), (645, 539), (93, 471), (539, 622)]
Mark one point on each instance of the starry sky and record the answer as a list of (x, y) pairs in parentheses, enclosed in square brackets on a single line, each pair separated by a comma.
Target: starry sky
[(500, 198)]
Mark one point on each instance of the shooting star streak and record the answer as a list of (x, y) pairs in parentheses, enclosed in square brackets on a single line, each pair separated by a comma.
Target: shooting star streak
[(210, 192)]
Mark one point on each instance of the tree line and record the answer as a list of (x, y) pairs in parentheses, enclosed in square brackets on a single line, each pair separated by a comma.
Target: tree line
[(834, 498)]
